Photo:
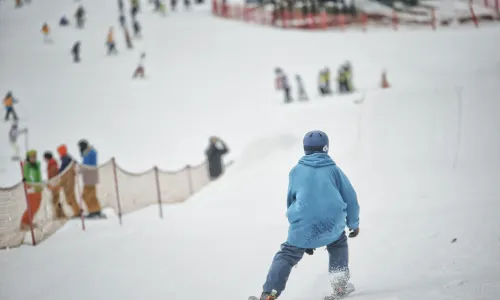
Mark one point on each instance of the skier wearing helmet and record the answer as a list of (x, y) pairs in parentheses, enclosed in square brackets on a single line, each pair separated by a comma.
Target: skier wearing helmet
[(321, 202)]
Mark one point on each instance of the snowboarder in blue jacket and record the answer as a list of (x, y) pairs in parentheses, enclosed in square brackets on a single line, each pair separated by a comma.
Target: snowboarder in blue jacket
[(321, 203)]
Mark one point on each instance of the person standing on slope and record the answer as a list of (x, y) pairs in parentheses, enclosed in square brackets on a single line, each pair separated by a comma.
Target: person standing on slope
[(90, 178), (67, 179), (14, 133), (216, 149), (32, 178), (52, 172), (321, 202)]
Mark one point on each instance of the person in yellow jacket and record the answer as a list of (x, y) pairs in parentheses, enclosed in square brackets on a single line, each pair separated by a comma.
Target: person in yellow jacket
[(110, 42)]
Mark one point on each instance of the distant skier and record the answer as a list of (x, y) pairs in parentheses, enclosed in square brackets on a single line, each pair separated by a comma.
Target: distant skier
[(128, 40), (110, 42), (324, 82), (344, 78), (302, 95), (46, 33), (19, 3), (139, 71), (137, 29), (187, 4), (173, 4), (282, 83), (123, 21), (321, 202), (80, 17), (75, 50), (8, 103), (14, 134), (121, 7)]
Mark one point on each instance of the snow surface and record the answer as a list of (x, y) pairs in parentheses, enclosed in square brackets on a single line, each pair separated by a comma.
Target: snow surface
[(424, 156)]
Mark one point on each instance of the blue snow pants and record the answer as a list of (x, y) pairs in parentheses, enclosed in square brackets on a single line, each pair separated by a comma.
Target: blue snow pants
[(289, 256)]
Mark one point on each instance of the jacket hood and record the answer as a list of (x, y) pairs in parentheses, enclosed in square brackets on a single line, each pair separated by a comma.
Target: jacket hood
[(317, 160)]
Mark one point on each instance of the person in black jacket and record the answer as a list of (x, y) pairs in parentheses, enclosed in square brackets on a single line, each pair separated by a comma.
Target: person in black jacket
[(216, 149)]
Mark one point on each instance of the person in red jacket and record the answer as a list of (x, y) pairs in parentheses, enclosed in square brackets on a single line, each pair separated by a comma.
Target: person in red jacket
[(53, 171)]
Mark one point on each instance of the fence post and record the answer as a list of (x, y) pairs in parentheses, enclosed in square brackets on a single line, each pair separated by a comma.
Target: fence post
[(158, 192), (80, 196), (117, 191), (190, 179), (30, 214)]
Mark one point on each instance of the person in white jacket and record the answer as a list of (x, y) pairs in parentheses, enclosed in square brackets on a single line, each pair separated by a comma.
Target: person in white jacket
[(139, 71), (14, 133)]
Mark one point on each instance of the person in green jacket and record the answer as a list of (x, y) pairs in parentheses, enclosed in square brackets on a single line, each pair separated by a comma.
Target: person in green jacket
[(32, 178)]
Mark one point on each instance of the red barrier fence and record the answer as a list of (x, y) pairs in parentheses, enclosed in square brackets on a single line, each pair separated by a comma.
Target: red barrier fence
[(429, 16)]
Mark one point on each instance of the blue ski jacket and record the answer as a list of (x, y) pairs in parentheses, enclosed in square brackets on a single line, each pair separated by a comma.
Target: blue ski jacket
[(321, 202)]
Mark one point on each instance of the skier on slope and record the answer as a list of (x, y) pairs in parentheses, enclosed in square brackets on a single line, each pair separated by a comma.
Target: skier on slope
[(321, 202), (302, 95), (14, 133), (139, 71)]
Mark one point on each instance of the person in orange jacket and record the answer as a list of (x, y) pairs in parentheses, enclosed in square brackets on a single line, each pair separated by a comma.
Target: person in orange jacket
[(46, 33), (67, 180), (110, 42), (8, 103), (32, 178), (52, 172)]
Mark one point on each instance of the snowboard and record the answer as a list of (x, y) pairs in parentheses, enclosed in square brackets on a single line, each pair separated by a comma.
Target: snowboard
[(349, 289)]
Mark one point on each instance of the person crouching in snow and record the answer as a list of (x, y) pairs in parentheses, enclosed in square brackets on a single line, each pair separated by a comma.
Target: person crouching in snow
[(110, 42), (46, 33), (67, 179), (302, 95), (14, 133), (52, 172), (90, 177), (32, 178), (8, 103), (139, 71), (321, 202)]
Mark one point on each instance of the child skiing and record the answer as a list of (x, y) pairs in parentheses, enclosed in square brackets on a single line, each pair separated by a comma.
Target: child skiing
[(282, 83), (8, 103), (302, 95), (139, 71), (46, 33), (14, 133), (110, 42), (321, 202)]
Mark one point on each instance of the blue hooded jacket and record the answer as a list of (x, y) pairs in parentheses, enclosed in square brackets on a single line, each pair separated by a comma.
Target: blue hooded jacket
[(90, 157), (321, 202)]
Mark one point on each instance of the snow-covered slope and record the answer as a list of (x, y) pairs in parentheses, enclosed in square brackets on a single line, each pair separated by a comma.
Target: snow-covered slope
[(424, 157)]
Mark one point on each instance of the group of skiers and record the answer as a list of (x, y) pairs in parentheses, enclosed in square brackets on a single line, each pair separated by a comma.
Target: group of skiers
[(344, 81), (61, 178)]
